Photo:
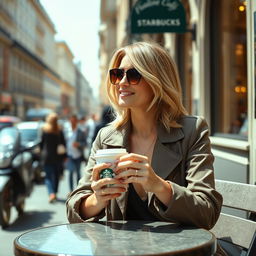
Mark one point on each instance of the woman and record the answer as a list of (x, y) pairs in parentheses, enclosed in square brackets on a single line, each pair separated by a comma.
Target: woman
[(169, 170), (52, 138), (76, 142)]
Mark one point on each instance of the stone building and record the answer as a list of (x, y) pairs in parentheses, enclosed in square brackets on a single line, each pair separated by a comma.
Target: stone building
[(35, 70)]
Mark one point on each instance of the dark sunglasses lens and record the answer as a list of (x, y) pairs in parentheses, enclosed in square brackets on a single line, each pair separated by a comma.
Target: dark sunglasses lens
[(133, 76), (116, 75)]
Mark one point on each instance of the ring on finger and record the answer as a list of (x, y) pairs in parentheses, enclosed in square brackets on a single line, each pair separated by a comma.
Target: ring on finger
[(136, 172)]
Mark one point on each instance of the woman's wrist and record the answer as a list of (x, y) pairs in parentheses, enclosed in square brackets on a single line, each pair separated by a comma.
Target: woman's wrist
[(90, 206), (164, 191)]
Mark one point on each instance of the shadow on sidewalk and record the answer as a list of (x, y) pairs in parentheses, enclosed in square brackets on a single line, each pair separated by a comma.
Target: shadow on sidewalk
[(30, 220)]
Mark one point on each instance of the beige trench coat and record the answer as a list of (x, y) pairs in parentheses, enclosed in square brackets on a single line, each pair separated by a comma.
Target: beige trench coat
[(183, 157)]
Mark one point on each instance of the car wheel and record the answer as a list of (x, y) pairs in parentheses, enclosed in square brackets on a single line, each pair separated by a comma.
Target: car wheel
[(5, 207)]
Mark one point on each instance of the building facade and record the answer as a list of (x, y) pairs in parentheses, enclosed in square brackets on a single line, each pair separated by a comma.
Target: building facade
[(35, 70), (66, 69), (26, 33), (216, 61), (85, 103)]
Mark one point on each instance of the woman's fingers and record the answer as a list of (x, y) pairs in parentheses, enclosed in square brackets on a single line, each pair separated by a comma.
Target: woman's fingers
[(131, 172), (133, 157), (129, 164), (135, 179), (131, 161), (108, 188), (111, 190), (99, 184), (97, 169), (108, 193)]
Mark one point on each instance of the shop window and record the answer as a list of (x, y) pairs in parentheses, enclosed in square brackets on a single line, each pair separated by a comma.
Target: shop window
[(229, 69)]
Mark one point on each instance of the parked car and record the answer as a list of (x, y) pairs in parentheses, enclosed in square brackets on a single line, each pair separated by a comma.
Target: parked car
[(31, 133), (16, 173), (8, 120), (37, 114)]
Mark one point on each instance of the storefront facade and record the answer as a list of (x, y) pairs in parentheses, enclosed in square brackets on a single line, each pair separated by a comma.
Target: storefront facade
[(226, 80)]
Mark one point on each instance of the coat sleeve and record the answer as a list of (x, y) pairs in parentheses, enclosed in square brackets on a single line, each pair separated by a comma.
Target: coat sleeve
[(83, 189), (197, 203)]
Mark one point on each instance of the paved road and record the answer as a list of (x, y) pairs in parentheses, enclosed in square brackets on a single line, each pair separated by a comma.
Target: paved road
[(38, 213)]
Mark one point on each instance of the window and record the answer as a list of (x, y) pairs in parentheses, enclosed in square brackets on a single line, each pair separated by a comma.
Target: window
[(229, 69)]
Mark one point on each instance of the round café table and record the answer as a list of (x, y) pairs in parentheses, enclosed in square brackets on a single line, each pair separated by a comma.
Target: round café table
[(116, 238)]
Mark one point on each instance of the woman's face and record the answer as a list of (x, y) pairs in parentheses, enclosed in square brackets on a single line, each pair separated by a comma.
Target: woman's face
[(137, 96)]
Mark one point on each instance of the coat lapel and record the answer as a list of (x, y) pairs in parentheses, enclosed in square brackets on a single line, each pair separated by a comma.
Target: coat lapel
[(167, 152), (118, 137)]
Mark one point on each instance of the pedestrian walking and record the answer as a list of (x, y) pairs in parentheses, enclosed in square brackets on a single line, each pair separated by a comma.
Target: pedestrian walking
[(90, 125), (76, 143), (107, 116), (53, 152)]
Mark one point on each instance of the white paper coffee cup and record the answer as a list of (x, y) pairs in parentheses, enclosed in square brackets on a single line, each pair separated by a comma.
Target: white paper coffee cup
[(109, 156)]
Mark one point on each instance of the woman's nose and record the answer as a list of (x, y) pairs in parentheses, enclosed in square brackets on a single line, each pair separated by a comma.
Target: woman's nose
[(124, 80)]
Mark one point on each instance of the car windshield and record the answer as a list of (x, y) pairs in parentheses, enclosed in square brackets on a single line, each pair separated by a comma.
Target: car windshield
[(28, 135)]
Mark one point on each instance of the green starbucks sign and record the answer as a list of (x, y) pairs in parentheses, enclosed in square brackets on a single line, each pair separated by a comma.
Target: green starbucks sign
[(158, 16)]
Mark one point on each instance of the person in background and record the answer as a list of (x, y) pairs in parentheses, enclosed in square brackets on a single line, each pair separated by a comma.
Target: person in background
[(82, 126), (52, 137), (169, 166), (82, 123), (90, 125), (107, 117), (75, 146)]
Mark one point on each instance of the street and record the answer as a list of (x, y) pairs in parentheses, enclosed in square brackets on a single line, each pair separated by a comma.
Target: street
[(38, 213)]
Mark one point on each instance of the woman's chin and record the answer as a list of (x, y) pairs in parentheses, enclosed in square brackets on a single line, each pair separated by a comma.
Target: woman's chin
[(124, 104)]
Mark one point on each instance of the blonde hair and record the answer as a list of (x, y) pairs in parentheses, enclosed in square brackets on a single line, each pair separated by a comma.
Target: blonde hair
[(51, 124), (159, 71)]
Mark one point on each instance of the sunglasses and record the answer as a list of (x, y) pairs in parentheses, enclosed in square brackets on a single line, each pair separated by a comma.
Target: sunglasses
[(117, 74)]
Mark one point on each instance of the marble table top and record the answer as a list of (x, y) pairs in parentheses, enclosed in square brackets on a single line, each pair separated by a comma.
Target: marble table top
[(116, 238)]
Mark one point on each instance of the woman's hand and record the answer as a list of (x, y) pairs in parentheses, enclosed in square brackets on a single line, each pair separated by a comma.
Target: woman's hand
[(102, 193), (134, 168), (107, 188)]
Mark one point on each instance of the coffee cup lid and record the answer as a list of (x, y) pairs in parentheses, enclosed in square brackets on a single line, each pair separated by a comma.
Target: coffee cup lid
[(110, 151)]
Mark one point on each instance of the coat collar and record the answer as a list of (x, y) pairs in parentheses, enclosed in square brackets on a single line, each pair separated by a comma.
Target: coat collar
[(119, 137)]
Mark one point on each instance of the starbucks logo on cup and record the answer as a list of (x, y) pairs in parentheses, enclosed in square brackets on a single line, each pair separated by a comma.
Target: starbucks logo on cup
[(107, 173)]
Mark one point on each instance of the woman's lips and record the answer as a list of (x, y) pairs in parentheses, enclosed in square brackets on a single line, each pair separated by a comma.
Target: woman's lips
[(125, 93)]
